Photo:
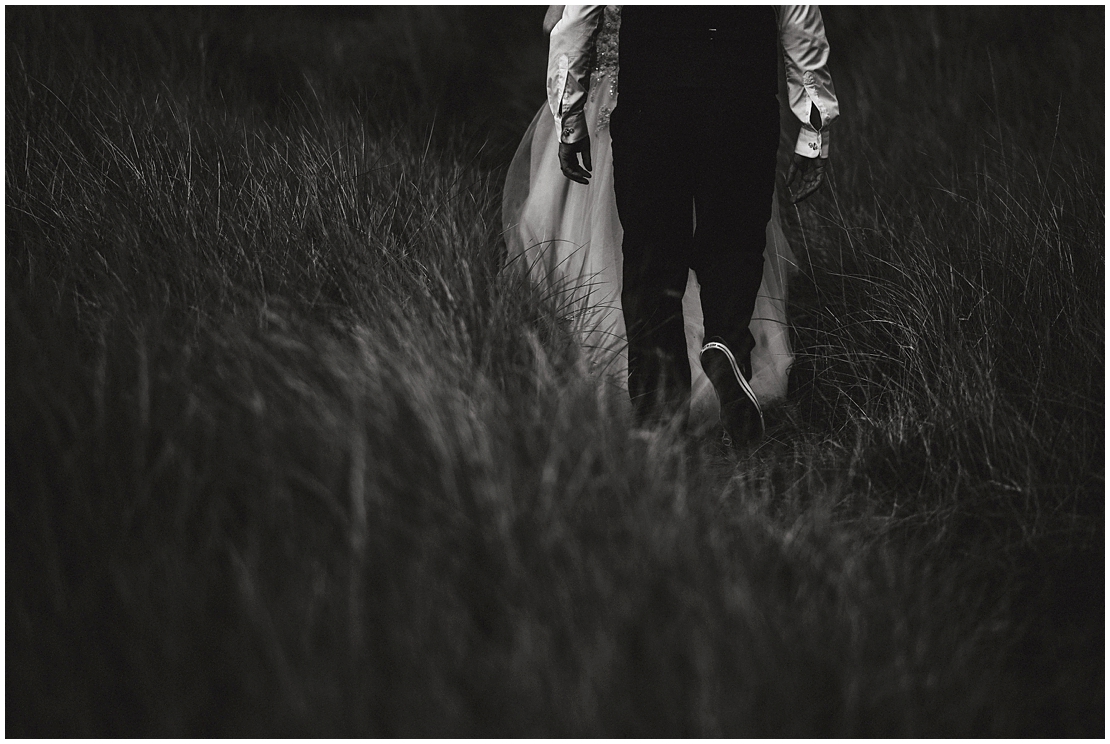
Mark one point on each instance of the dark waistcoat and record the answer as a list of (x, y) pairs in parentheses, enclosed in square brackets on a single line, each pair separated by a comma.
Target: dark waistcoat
[(733, 48)]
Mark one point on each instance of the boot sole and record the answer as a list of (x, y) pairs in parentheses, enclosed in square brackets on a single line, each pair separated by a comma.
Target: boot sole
[(739, 378)]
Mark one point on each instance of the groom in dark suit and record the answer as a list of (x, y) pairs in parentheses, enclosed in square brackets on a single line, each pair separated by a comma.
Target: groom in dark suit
[(695, 134)]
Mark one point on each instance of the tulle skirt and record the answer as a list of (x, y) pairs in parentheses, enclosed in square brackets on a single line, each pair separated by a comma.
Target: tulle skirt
[(568, 237)]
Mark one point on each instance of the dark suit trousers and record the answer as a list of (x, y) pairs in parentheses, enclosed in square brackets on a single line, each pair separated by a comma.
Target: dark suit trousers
[(677, 152)]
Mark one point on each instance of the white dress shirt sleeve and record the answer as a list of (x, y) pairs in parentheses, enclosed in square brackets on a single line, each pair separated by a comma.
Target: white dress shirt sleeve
[(806, 50), (808, 82), (568, 69)]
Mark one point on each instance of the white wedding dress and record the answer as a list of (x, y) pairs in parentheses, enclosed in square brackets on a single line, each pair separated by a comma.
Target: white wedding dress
[(568, 237)]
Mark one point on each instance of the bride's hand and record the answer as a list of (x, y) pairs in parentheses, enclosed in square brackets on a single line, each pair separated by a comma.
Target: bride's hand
[(809, 174), (568, 160)]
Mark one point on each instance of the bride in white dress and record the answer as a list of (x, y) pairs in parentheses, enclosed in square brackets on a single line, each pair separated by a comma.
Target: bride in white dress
[(569, 237)]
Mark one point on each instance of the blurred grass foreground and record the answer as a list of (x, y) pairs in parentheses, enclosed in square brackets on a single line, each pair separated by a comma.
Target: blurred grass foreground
[(289, 452)]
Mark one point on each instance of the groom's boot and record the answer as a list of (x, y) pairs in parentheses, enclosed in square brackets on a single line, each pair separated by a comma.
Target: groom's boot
[(664, 404), (741, 415)]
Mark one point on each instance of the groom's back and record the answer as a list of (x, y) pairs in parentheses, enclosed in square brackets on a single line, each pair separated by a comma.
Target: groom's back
[(714, 46)]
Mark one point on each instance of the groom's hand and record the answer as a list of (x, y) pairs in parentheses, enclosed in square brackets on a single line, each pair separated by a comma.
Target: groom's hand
[(804, 176), (568, 160)]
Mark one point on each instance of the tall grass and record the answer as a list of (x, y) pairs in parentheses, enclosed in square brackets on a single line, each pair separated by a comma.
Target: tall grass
[(290, 452), (960, 291)]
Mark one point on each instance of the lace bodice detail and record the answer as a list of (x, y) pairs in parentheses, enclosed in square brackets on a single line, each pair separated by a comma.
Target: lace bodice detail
[(603, 81), (605, 57)]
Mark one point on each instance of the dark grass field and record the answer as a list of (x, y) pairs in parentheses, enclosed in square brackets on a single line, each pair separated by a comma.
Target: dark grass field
[(288, 452)]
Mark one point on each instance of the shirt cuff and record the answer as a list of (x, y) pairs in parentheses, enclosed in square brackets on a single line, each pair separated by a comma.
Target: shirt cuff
[(573, 128), (811, 144)]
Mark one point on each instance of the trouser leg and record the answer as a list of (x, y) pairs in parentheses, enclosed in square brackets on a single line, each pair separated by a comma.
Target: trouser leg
[(654, 201), (734, 181)]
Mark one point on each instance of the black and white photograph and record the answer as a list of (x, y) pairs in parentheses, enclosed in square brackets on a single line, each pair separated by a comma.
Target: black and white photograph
[(584, 371)]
